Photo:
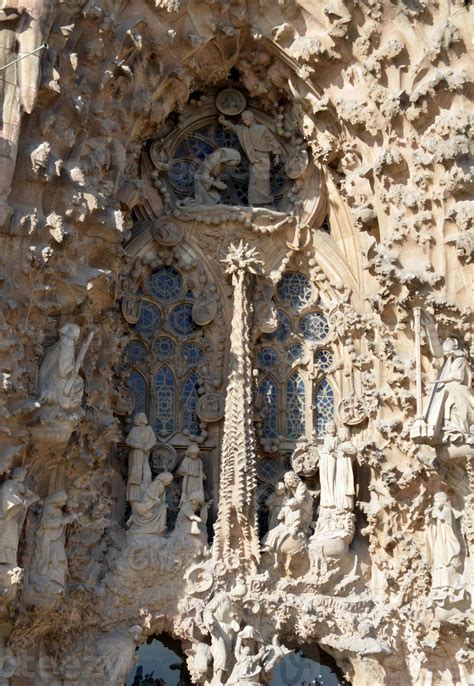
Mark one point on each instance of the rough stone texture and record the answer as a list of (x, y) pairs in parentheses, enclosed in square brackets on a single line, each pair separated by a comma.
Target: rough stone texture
[(367, 104)]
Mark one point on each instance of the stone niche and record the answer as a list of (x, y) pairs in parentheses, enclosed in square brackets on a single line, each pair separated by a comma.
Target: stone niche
[(236, 407)]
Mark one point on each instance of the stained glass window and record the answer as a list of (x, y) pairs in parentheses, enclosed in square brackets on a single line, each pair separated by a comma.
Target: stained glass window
[(150, 319), (295, 290), (323, 406), (166, 283), (192, 353), (135, 351), (294, 352), (268, 407), (314, 326), (267, 469), (164, 401), (324, 359), (164, 347), (201, 143), (190, 398), (137, 386), (295, 406), (267, 357), (181, 320)]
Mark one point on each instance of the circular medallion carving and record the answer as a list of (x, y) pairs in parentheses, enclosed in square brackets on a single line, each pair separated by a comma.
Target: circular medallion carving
[(199, 580), (210, 408), (163, 458), (167, 231), (304, 460), (204, 309), (351, 410), (130, 306), (231, 101), (297, 164)]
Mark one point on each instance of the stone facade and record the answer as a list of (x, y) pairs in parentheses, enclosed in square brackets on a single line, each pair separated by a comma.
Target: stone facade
[(236, 278)]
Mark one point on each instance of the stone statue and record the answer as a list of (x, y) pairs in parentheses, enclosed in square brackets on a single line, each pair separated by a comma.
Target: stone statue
[(288, 537), (15, 499), (141, 439), (221, 617), (258, 142), (192, 518), (297, 489), (275, 502), (59, 381), (207, 181), (249, 652), (149, 514), (49, 563), (115, 651), (450, 410), (191, 469), (443, 548), (335, 469)]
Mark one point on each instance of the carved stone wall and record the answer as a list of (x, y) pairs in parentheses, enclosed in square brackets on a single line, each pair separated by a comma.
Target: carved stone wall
[(236, 280)]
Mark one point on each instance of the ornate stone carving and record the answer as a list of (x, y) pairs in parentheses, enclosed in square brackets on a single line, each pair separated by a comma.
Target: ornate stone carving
[(191, 469), (47, 574), (141, 440), (208, 179), (258, 142), (149, 513)]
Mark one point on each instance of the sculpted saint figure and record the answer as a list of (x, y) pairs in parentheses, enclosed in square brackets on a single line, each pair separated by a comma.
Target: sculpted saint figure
[(249, 653), (450, 410), (191, 469), (335, 469), (15, 499), (275, 502), (192, 518), (258, 142), (222, 617), (49, 564), (443, 548), (289, 536), (59, 380), (149, 514), (207, 181), (141, 439)]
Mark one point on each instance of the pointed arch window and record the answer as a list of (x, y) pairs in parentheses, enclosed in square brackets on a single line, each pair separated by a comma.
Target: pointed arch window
[(268, 401), (137, 385), (165, 401), (323, 406), (190, 399), (295, 407)]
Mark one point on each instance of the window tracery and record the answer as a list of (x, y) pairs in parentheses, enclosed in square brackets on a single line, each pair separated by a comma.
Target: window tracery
[(298, 399)]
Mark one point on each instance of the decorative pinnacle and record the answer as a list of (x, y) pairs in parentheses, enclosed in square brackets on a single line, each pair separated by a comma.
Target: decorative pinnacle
[(242, 257)]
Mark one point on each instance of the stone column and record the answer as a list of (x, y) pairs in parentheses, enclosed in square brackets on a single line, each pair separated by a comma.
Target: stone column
[(236, 544)]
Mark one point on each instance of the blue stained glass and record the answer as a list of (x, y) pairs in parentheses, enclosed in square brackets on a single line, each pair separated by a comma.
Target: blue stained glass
[(135, 351), (269, 407), (181, 320), (136, 384), (200, 148), (193, 353), (190, 398), (295, 406), (295, 290), (164, 347), (314, 326), (283, 329), (150, 319), (166, 283), (324, 359), (164, 401), (226, 139), (323, 406), (267, 358), (294, 352), (181, 174)]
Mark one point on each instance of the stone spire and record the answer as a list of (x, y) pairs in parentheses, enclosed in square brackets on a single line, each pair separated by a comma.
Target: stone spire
[(236, 544)]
